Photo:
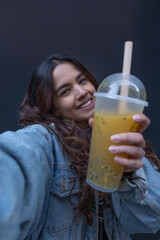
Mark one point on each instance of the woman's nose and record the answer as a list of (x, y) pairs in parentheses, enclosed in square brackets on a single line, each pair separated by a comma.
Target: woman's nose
[(80, 92)]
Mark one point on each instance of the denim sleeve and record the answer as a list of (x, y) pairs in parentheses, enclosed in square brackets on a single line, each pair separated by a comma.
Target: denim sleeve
[(25, 174), (137, 204)]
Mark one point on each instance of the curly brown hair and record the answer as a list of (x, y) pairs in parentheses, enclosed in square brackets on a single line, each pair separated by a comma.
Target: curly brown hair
[(38, 108)]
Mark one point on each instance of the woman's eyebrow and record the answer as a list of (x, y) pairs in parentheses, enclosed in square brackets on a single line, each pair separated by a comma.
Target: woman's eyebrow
[(62, 86), (67, 84), (79, 75)]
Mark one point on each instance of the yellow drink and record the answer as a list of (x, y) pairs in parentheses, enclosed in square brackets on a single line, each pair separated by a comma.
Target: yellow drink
[(103, 172)]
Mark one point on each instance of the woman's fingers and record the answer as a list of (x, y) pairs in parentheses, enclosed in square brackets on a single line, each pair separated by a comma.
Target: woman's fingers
[(129, 138), (130, 144), (142, 120), (90, 122), (134, 151), (130, 164)]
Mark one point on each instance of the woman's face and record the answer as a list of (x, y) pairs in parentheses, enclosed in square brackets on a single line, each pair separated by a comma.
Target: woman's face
[(73, 92)]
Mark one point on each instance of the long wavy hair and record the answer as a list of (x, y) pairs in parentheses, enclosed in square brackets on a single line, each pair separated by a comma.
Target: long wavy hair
[(38, 108)]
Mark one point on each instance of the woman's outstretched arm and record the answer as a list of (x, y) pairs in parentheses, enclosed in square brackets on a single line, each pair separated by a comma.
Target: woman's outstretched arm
[(25, 175)]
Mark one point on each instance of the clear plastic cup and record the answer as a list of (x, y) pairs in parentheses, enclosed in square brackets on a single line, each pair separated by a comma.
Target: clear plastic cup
[(113, 115)]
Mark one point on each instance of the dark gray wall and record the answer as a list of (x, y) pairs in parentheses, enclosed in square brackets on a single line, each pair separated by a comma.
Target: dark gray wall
[(94, 31)]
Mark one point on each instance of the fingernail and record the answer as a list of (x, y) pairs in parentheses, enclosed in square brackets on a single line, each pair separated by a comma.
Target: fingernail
[(115, 138), (117, 160), (113, 149), (137, 117)]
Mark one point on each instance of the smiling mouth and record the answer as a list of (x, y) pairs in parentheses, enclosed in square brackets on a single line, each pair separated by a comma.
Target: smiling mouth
[(85, 104)]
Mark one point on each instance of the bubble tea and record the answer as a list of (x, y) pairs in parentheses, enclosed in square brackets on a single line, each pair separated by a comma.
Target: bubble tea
[(113, 115)]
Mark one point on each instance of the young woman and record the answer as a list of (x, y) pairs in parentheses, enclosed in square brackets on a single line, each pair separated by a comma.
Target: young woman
[(43, 189)]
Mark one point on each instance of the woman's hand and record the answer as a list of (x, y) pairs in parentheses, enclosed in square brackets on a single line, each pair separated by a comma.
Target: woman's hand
[(136, 143), (132, 144), (90, 122)]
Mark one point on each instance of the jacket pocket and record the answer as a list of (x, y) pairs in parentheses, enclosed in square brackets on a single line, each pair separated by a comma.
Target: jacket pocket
[(63, 200), (62, 182)]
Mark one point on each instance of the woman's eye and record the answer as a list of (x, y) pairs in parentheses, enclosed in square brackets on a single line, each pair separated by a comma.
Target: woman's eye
[(63, 93), (83, 80)]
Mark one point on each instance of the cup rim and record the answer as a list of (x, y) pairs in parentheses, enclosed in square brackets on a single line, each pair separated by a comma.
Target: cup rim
[(119, 97)]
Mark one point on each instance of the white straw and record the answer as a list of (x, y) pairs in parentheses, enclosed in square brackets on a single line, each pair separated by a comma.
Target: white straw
[(127, 58), (125, 73)]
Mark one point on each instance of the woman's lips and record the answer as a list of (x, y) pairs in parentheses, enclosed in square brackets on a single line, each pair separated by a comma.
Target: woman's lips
[(87, 105)]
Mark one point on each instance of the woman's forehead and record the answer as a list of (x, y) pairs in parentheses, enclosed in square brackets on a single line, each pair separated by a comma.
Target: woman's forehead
[(64, 72)]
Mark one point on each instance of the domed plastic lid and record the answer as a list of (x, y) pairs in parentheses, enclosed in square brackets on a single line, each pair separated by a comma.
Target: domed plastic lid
[(113, 85)]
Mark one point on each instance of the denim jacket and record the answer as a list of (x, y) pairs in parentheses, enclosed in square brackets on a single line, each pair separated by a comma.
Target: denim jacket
[(36, 201)]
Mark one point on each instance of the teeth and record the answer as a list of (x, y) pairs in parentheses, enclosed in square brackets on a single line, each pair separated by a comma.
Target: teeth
[(86, 104)]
